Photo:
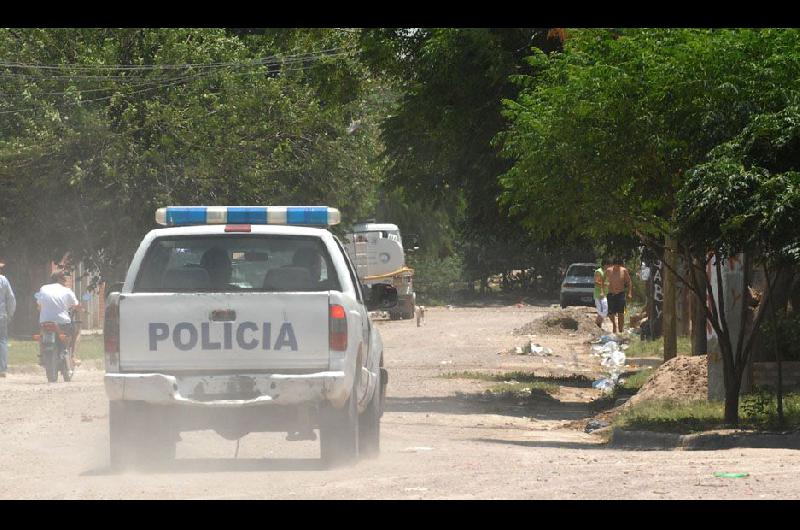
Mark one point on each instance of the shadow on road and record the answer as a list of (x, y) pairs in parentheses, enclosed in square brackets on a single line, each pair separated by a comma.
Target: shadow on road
[(506, 302), (540, 406), (545, 443), (211, 465)]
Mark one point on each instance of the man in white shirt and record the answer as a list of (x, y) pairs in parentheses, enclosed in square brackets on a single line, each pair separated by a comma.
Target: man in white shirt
[(55, 301), (8, 304)]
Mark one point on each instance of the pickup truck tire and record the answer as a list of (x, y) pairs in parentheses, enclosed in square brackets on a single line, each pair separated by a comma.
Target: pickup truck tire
[(137, 437), (338, 431), (369, 423)]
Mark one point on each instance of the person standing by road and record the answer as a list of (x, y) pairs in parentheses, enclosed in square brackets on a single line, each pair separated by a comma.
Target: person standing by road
[(55, 301), (8, 305), (619, 281), (600, 300)]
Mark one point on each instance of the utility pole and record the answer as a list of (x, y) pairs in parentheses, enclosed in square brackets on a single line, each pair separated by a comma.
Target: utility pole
[(670, 326)]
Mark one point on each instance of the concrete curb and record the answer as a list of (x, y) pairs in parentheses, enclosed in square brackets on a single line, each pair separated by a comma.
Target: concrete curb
[(655, 441)]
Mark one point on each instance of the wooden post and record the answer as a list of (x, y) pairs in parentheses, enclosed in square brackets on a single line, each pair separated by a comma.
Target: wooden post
[(670, 321)]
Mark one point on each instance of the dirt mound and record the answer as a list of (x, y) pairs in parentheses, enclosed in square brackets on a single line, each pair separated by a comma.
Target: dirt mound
[(678, 378), (569, 320)]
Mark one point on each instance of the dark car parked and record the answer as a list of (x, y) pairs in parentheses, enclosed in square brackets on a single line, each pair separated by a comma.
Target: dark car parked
[(577, 288)]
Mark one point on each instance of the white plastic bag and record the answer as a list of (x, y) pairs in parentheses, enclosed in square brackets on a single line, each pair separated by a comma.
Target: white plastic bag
[(602, 307)]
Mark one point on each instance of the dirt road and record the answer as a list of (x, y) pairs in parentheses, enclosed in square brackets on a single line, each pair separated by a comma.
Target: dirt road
[(440, 439)]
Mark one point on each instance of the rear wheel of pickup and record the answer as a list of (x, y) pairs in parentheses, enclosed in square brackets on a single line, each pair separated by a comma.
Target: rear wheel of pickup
[(338, 430), (139, 436), (369, 423)]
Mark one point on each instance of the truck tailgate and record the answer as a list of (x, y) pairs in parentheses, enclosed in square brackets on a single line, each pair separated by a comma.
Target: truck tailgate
[(223, 331)]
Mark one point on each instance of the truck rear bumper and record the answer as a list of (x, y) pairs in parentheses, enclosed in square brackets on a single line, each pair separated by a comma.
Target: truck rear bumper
[(228, 390)]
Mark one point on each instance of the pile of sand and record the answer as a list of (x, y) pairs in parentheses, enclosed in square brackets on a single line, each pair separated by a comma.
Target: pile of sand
[(679, 378), (557, 321)]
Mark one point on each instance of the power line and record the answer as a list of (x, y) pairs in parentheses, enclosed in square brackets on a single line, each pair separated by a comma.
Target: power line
[(274, 59), (283, 67), (160, 83)]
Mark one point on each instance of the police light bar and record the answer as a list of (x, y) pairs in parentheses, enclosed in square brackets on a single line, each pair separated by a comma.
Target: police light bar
[(257, 215)]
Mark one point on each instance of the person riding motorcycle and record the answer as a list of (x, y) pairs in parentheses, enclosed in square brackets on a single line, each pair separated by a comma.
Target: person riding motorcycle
[(56, 301)]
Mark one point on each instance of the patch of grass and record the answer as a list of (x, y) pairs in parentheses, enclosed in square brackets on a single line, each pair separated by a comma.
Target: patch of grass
[(466, 374), (21, 352), (519, 385), (756, 411), (637, 380), (519, 376), (629, 387), (606, 401), (655, 348), (515, 390)]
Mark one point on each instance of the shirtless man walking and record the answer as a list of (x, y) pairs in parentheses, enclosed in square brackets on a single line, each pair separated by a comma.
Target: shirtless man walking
[(619, 281)]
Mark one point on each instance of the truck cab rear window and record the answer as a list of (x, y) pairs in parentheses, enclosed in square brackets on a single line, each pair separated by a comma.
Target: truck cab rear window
[(241, 262)]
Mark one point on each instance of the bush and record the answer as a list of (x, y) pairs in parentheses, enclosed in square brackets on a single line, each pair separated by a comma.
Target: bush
[(786, 331), (436, 280)]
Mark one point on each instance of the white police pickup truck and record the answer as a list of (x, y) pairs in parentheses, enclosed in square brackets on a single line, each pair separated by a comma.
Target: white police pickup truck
[(243, 319)]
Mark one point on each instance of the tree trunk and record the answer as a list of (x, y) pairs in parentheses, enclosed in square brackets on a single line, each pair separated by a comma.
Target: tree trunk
[(699, 338), (732, 401), (669, 318)]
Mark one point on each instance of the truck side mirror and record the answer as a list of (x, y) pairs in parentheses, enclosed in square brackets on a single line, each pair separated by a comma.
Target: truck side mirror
[(381, 296), (114, 287)]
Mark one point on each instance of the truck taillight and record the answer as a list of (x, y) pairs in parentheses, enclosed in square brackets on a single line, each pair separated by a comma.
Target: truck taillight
[(337, 328), (111, 329)]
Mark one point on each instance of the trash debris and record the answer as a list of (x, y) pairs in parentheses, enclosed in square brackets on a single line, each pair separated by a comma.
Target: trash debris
[(446, 362), (612, 359), (594, 425), (450, 308), (416, 449), (538, 349), (603, 384), (721, 474), (531, 348)]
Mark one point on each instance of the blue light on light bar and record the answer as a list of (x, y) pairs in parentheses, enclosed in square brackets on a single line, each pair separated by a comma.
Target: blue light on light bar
[(245, 215), (312, 215), (280, 215)]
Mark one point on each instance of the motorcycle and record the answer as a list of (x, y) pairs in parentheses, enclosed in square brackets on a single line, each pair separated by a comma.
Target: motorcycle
[(55, 352)]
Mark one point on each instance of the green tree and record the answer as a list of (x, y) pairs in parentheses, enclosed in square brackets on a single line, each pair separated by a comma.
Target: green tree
[(99, 127), (438, 140), (746, 199), (603, 135)]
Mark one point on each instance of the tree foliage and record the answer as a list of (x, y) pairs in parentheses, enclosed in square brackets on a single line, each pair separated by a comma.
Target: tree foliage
[(621, 116), (438, 141), (184, 116), (606, 134)]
